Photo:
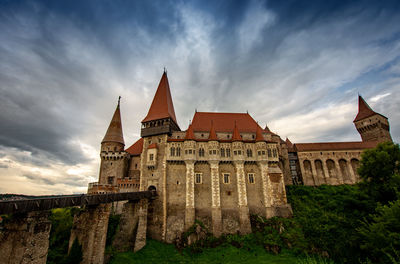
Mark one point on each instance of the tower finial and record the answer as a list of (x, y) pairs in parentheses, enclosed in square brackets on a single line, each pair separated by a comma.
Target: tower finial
[(165, 70), (119, 100)]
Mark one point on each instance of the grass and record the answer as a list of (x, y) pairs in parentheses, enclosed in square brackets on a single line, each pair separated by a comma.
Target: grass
[(157, 252)]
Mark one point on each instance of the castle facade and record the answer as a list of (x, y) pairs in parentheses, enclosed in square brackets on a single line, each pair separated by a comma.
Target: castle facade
[(223, 167)]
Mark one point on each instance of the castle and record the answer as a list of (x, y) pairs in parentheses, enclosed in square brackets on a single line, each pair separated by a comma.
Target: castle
[(224, 167)]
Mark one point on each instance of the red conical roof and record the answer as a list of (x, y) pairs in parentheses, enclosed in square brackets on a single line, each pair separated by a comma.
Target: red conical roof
[(236, 135), (259, 136), (162, 106), (189, 133), (213, 135), (114, 131), (364, 110), (289, 143)]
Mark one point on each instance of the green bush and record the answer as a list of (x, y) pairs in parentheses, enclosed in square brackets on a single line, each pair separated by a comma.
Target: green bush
[(61, 224), (380, 238)]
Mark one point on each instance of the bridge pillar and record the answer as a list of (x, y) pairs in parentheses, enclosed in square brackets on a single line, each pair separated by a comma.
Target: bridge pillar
[(141, 233), (125, 237), (25, 238), (90, 228)]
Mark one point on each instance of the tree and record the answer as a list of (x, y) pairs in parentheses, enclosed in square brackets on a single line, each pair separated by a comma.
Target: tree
[(379, 171), (381, 236), (75, 254)]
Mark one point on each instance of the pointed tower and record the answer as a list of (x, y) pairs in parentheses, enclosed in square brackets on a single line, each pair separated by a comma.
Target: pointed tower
[(114, 138), (372, 126), (113, 157), (161, 117), (213, 134), (259, 136)]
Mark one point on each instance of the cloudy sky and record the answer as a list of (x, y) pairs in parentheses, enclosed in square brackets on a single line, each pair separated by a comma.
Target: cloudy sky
[(294, 65)]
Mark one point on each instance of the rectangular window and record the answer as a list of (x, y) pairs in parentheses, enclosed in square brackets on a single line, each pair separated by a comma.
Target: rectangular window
[(228, 152), (259, 153), (235, 152), (251, 177), (226, 178), (239, 152), (274, 153), (269, 153), (222, 152), (210, 152), (178, 151), (197, 178), (190, 151), (151, 157), (214, 151)]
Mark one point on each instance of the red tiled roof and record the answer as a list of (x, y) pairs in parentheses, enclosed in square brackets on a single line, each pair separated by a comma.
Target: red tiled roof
[(364, 110), (289, 143), (152, 146), (236, 135), (266, 129), (114, 131), (175, 139), (223, 122), (136, 148), (162, 106), (334, 146), (189, 133), (213, 135), (259, 136)]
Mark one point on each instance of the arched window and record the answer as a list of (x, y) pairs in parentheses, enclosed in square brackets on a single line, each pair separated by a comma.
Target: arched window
[(178, 151), (172, 151)]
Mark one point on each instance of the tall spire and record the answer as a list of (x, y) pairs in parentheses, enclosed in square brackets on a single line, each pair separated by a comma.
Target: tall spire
[(236, 135), (259, 136), (213, 135), (364, 110), (189, 133), (114, 131), (162, 106)]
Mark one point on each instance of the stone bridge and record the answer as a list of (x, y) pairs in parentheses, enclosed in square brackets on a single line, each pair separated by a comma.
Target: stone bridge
[(24, 237)]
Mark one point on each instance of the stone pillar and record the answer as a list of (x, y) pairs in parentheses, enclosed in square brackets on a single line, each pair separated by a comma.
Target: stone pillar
[(215, 199), (125, 237), (140, 241), (266, 188), (25, 239), (338, 172), (90, 228), (244, 214), (314, 173), (302, 171), (351, 172), (189, 211), (326, 172)]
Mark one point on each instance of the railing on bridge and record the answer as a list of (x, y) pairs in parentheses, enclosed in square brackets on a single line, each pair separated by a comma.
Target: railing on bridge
[(60, 201)]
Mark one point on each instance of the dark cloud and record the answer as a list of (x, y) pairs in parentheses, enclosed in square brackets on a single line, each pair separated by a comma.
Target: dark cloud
[(39, 179), (63, 65)]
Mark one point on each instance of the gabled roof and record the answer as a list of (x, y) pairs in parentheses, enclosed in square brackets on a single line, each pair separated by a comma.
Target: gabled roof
[(114, 131), (136, 148), (162, 106), (223, 122), (189, 133), (266, 129), (326, 146), (364, 110), (213, 135)]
